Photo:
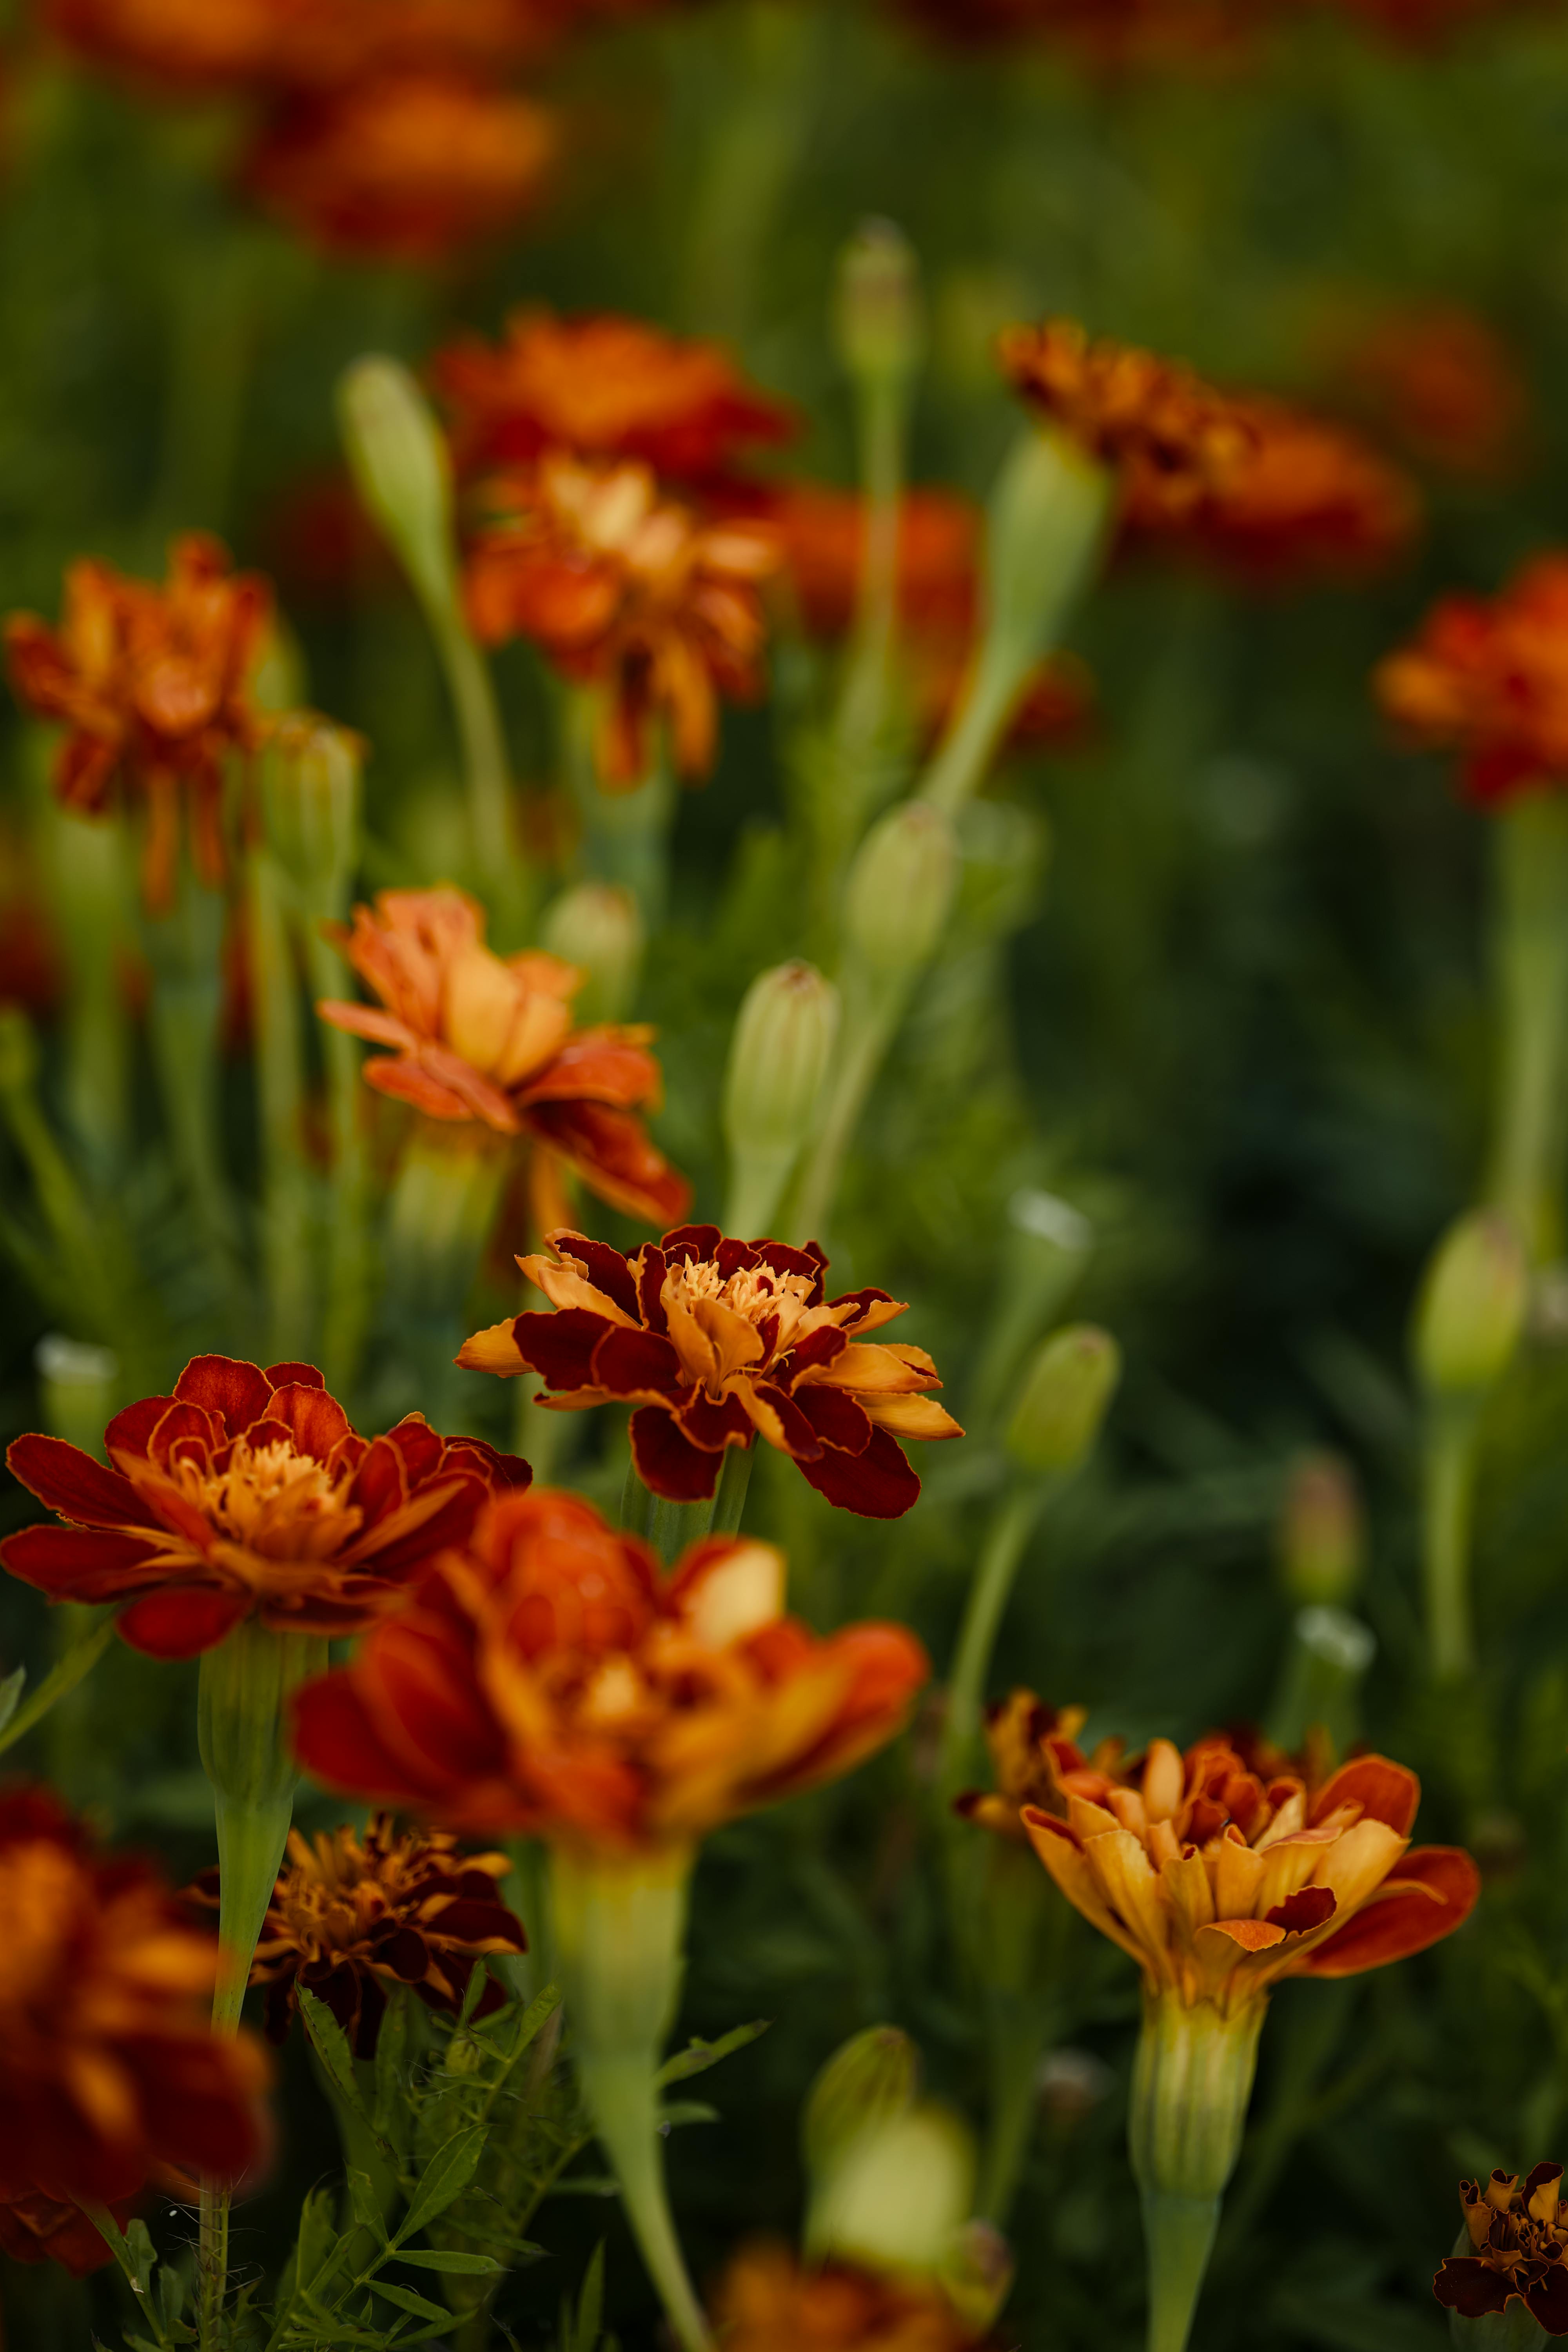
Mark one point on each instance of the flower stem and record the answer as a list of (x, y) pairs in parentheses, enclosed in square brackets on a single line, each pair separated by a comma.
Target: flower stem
[(87, 886), (485, 763), (280, 1091), (1179, 2234), (1191, 2085), (1532, 980), (869, 1024), (184, 948), (734, 1479), (625, 830), (988, 1596), (1448, 1505)]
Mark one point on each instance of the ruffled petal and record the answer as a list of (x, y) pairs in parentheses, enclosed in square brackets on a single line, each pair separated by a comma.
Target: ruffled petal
[(73, 1484)]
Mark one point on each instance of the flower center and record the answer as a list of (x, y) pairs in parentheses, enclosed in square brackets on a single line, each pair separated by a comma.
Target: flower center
[(274, 1502), (718, 1323)]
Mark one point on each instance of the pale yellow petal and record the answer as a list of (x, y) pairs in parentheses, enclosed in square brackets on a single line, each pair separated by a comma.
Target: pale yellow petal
[(1356, 1864), (913, 1416)]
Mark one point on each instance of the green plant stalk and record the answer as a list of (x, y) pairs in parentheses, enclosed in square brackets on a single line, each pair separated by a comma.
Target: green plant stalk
[(1011, 1526), (670, 1526), (734, 1483), (349, 1297), (485, 763), (1192, 2081), (619, 1925), (1018, 2030), (184, 948), (287, 1187), (1530, 964), (871, 1023), (757, 138), (625, 833), (758, 1182), (1451, 1444), (87, 885), (443, 1206), (884, 407)]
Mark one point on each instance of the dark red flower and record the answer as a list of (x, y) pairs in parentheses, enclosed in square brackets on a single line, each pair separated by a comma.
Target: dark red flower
[(36, 2229), (1519, 2230), (1488, 679)]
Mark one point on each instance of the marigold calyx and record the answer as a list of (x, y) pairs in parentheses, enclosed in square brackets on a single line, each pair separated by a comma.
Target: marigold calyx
[(398, 456), (779, 1054), (1471, 1311), (868, 2080), (900, 891), (1066, 1393), (877, 310)]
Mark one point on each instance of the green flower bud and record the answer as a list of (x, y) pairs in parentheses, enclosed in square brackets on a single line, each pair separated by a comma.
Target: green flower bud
[(878, 315), (900, 891), (400, 463), (976, 2274), (598, 927), (1067, 1391), (868, 2082), (779, 1055), (899, 2193), (311, 798), (1472, 1310), (79, 1388), (1046, 522), (1322, 1532)]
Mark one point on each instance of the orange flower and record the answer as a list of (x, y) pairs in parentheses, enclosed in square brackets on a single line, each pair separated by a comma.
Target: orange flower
[(767, 2302), (1489, 680), (109, 2074), (406, 167), (718, 1342), (628, 592), (484, 1036), (1219, 1882), (1519, 2231), (354, 1917), (1017, 1729), (153, 686), (239, 44), (603, 387), (550, 1681), (1438, 380), (178, 45), (246, 1493)]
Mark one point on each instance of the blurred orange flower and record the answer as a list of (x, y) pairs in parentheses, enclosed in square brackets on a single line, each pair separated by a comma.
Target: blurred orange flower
[(246, 1493), (37, 2229), (628, 592), (153, 688), (551, 1681), (490, 1037), (1440, 381), (109, 2074), (239, 44), (1489, 680), (768, 2301)]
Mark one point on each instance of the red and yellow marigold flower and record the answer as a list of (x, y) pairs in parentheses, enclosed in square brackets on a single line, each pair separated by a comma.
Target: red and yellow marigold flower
[(603, 387), (109, 2074), (1519, 2238), (355, 1916), (481, 1037), (246, 1494), (153, 689), (549, 1680), (769, 2301), (629, 593), (716, 1343), (1489, 679)]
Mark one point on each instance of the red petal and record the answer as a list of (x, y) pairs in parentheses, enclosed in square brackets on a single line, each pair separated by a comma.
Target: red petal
[(80, 1563), (652, 1266), (1385, 1792), (668, 1463), (506, 1472), (1432, 1891), (613, 1154), (877, 1484), (301, 1376), (72, 1483), (687, 1241), (380, 1483), (824, 1346), (420, 1447), (180, 1623), (609, 1270), (130, 1432), (1301, 1912), (1472, 2287), (1547, 2300), (712, 1425), (596, 1066), (836, 1417), (237, 1391), (314, 1420), (337, 1743), (560, 1346), (625, 1362)]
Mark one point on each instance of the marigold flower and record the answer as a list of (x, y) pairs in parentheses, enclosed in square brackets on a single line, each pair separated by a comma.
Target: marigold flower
[(1489, 680), (110, 2072), (406, 167), (248, 45), (1519, 2230), (1017, 1731), (484, 1036), (768, 2301), (1439, 381), (246, 1492), (550, 1680), (353, 1917), (153, 686), (602, 386), (35, 2229), (717, 1341), (629, 591)]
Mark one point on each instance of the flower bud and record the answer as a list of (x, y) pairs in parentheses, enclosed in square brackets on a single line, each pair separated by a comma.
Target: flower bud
[(1067, 1391), (899, 890), (399, 457), (78, 1389), (779, 1054), (878, 315), (1472, 1310), (1046, 526), (976, 2274), (597, 928), (869, 2081), (898, 2194), (312, 796), (1323, 1533)]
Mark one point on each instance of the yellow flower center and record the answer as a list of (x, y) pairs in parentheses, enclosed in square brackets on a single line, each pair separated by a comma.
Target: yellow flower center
[(715, 1322), (274, 1503)]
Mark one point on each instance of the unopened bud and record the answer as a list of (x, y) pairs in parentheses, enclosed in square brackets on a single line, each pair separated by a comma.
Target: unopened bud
[(1046, 526), (899, 2195), (1470, 1314), (399, 457), (778, 1058), (866, 2082), (597, 928), (78, 1389), (976, 2274), (312, 798), (878, 315), (900, 891), (1322, 1532), (1067, 1391)]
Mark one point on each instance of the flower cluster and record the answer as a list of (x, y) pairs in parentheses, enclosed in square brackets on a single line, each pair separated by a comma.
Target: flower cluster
[(152, 686), (717, 1341), (1489, 680), (547, 1680), (1519, 2233), (767, 2302), (246, 1492), (487, 1038)]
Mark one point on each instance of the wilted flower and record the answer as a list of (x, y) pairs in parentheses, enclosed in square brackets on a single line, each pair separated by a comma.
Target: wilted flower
[(1439, 381), (246, 1492), (110, 2072), (717, 1341), (769, 2301), (549, 1680), (353, 1917), (482, 1036), (603, 386), (153, 688), (1489, 680), (628, 592), (1519, 2230)]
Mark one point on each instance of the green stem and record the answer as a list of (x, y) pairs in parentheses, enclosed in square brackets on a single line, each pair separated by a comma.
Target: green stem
[(625, 833), (1179, 2234), (756, 140), (485, 763), (868, 1030), (1531, 979), (734, 1479), (1191, 2083), (184, 948), (349, 1289), (989, 1591), (291, 1287), (758, 1182), (672, 1526), (1017, 2029), (88, 882), (1448, 1505)]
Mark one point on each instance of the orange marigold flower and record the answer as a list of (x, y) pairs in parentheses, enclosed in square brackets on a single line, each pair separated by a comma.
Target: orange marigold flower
[(768, 2301), (406, 167), (550, 1680), (352, 1918), (246, 1492), (603, 386), (631, 592), (1489, 680), (717, 1341), (153, 688), (110, 2072), (244, 45), (1017, 1729), (1519, 2230), (175, 45), (1219, 1880), (484, 1036), (1439, 381)]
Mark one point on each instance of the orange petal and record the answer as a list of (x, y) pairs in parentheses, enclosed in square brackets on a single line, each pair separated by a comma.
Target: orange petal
[(1385, 1792), (1433, 1892), (493, 1350)]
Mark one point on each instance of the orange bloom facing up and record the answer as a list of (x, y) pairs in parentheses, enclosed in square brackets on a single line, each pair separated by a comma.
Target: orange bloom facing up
[(550, 1681), (629, 593), (109, 2074), (716, 1343), (1489, 680), (482, 1036), (153, 686), (246, 1494), (1440, 381), (406, 167), (1519, 2237), (768, 2301), (603, 387)]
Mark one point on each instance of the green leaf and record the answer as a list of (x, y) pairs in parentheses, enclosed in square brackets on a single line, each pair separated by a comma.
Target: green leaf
[(447, 2258), (367, 2212), (687, 2111), (699, 2055), (406, 2300), (331, 2044), (77, 1660), (445, 2176), (580, 2330), (11, 1690), (473, 1991), (391, 2091), (587, 2184)]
